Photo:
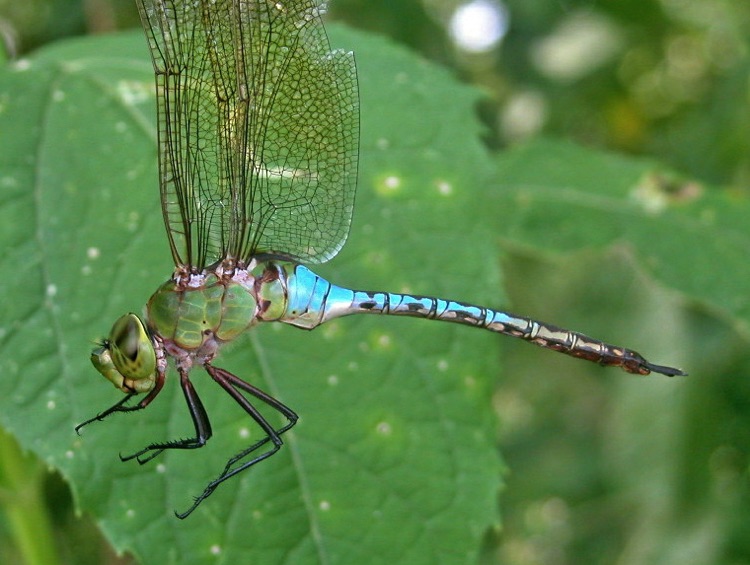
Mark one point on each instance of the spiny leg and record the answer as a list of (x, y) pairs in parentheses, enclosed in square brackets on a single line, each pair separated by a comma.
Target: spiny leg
[(227, 380), (200, 422), (230, 383), (120, 406)]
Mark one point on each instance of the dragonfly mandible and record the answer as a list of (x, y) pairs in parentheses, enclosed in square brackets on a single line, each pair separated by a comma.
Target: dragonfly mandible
[(258, 136)]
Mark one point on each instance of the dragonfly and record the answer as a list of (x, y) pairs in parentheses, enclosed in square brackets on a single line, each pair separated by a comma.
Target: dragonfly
[(258, 147)]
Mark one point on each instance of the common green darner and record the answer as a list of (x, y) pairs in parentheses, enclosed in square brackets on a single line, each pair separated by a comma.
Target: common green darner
[(258, 144)]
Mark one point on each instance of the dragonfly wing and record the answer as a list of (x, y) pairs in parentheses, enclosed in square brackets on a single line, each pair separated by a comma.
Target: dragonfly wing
[(258, 129)]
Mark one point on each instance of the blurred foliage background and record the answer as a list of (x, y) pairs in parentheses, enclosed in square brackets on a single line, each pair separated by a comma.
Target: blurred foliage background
[(667, 79)]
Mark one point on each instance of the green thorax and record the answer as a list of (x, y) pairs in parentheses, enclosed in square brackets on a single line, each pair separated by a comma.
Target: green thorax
[(189, 310)]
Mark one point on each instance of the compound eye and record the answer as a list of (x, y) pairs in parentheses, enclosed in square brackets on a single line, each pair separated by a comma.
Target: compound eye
[(131, 349), (125, 336)]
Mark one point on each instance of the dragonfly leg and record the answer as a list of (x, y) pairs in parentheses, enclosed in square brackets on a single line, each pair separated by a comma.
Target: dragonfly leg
[(120, 406), (227, 381), (232, 385), (200, 421)]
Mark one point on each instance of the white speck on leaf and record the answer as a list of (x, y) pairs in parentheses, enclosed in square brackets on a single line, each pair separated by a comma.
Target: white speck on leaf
[(445, 188), (384, 429)]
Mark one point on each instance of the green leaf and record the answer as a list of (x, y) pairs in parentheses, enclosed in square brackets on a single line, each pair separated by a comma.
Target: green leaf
[(394, 458), (562, 198)]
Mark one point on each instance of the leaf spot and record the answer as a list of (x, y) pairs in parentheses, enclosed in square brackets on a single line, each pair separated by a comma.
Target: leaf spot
[(8, 182), (444, 188), (384, 429), (384, 341), (382, 143), (388, 185), (22, 65), (132, 92)]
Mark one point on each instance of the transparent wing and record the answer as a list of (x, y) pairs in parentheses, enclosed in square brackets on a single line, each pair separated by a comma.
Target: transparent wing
[(258, 129)]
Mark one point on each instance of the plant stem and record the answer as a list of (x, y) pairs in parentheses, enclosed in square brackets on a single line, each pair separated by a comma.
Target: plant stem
[(21, 497)]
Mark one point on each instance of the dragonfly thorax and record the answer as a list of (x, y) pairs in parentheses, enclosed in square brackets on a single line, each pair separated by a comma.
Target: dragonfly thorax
[(197, 314)]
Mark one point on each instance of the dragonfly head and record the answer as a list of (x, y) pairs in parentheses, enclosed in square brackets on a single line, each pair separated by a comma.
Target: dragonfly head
[(127, 357)]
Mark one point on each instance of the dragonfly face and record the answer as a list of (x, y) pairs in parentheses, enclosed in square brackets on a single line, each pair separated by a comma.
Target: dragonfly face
[(127, 358)]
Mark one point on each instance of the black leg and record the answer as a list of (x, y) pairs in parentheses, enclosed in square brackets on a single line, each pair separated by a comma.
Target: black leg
[(200, 421), (231, 383), (120, 406)]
